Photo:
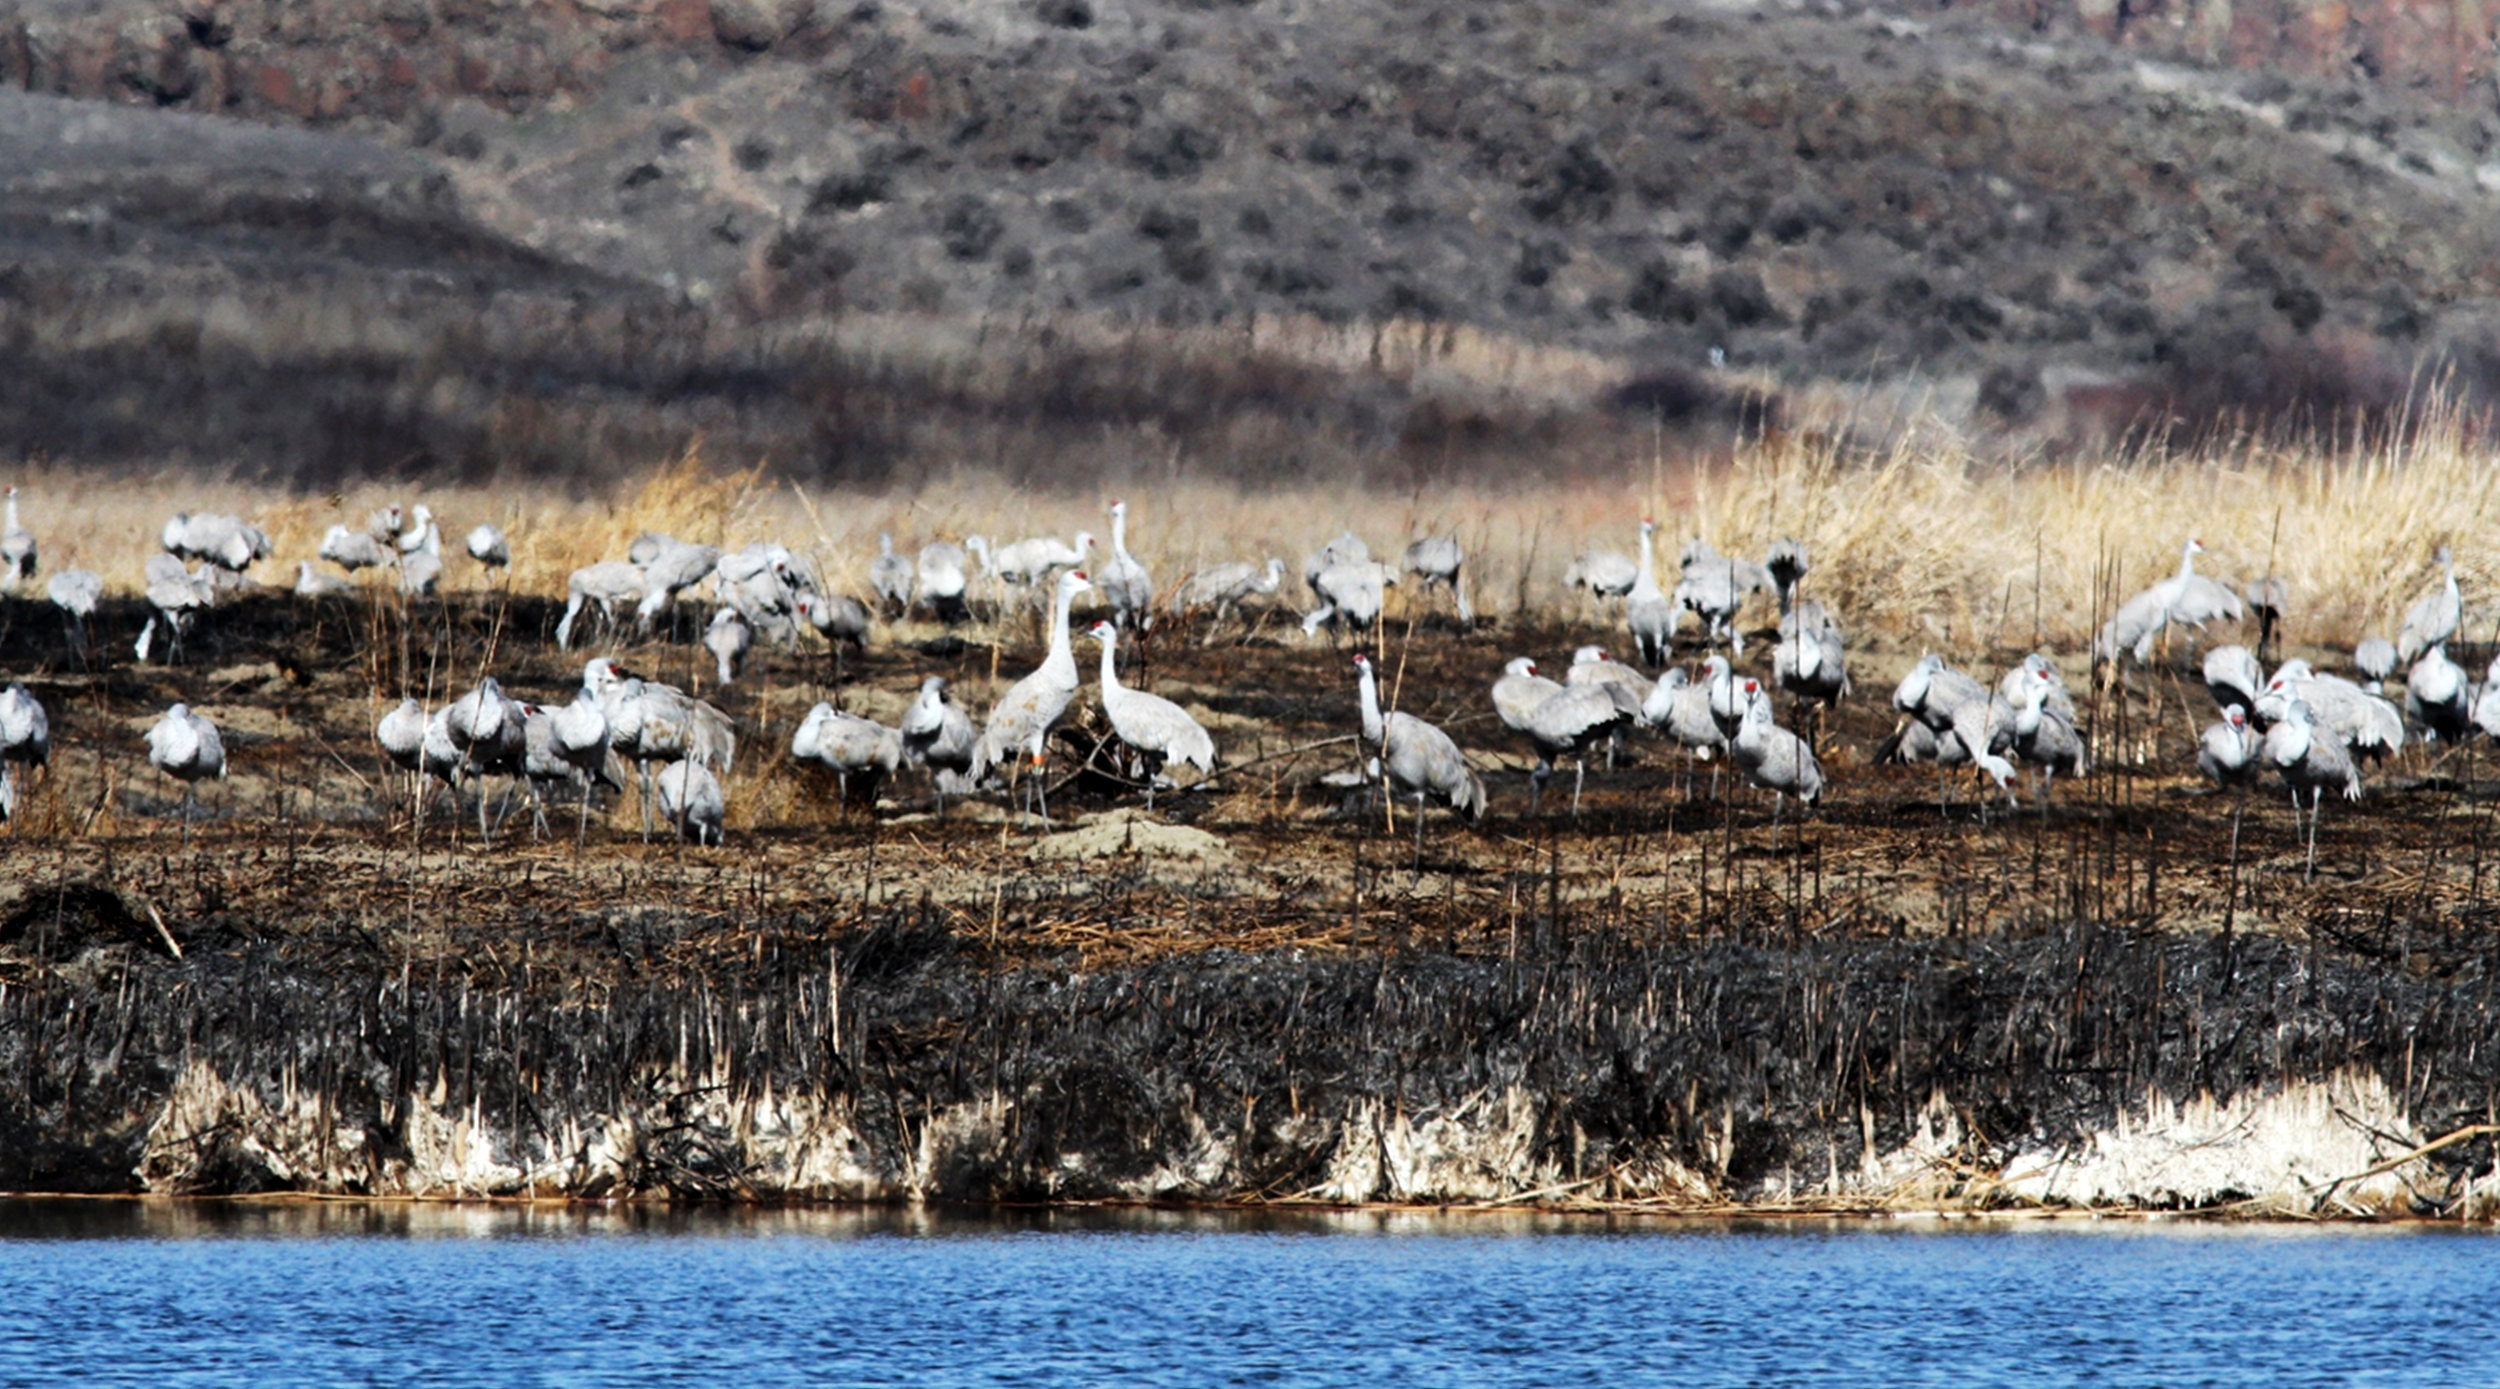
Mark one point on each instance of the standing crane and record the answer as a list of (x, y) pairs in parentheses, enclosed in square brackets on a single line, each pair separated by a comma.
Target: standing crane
[(17, 548), (2310, 759), (1568, 723), (76, 592), (1124, 581), (729, 639), (938, 735), (25, 741), (1437, 560), (2439, 695), (1411, 757), (890, 576), (852, 747), (490, 729), (1771, 757), (2228, 757), (489, 548), (941, 570), (606, 584), (651, 722), (1020, 723), (1646, 610), (184, 745), (1153, 727), (690, 798), (1227, 586), (2434, 617)]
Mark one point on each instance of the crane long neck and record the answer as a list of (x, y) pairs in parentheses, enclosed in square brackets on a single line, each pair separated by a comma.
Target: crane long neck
[(1119, 534), (1649, 566), (1371, 707), (1110, 667), (1061, 658), (2187, 561)]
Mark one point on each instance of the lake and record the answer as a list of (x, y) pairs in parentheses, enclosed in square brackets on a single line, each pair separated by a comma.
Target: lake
[(115, 1293)]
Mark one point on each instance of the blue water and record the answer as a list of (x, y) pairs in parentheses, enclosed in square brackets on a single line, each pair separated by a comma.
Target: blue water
[(118, 1294)]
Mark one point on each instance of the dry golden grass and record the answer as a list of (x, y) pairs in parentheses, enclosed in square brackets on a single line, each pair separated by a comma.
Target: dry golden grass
[(1922, 539)]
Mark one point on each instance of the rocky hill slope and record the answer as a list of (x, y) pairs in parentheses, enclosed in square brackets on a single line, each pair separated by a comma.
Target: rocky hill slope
[(2049, 235)]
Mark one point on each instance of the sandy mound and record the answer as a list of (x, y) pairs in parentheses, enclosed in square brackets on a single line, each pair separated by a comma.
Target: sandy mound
[(1132, 832)]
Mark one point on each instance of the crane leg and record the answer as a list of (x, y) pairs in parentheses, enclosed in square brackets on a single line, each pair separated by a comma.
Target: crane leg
[(1579, 774), (581, 835), (1419, 833)]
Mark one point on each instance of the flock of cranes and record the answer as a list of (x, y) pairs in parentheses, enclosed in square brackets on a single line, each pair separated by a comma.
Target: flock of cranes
[(2313, 731)]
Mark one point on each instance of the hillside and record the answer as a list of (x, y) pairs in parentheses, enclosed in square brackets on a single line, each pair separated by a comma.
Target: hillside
[(493, 235)]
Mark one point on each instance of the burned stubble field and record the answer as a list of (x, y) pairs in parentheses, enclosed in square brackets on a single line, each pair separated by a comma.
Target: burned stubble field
[(1708, 1010)]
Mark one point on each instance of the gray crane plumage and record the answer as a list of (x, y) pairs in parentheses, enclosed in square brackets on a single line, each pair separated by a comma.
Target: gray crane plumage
[(1414, 758), (2434, 616), (890, 576), (1437, 560), (1157, 730)]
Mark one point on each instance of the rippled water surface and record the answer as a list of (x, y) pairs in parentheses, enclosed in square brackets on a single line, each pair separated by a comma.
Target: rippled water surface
[(189, 1295)]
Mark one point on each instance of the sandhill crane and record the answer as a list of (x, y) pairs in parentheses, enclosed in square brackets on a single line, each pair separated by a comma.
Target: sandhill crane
[(852, 747), (2056, 699), (17, 548), (2041, 736), (1771, 757), (1436, 559), (401, 736), (672, 567), (765, 583), (2267, 598), (1153, 727), (25, 739), (608, 583), (1714, 587), (1227, 586), (1933, 694), (352, 549), (2439, 695), (690, 798), (1031, 564), (488, 547), (2186, 598), (421, 558), (2227, 754), (1123, 581), (1413, 757), (1604, 573), (2310, 759), (489, 728), (420, 530), (177, 595), (1020, 723), (2368, 726), (1518, 690), (2232, 676), (184, 745), (1567, 724), (1646, 611), (228, 542), (1812, 661), (312, 583), (941, 570), (1350, 593), (76, 592), (1590, 665), (578, 734), (728, 639), (937, 734), (839, 618), (650, 722), (1787, 565), (2487, 703), (2374, 660), (2228, 757), (890, 576), (1682, 710), (2433, 618), (1347, 548)]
